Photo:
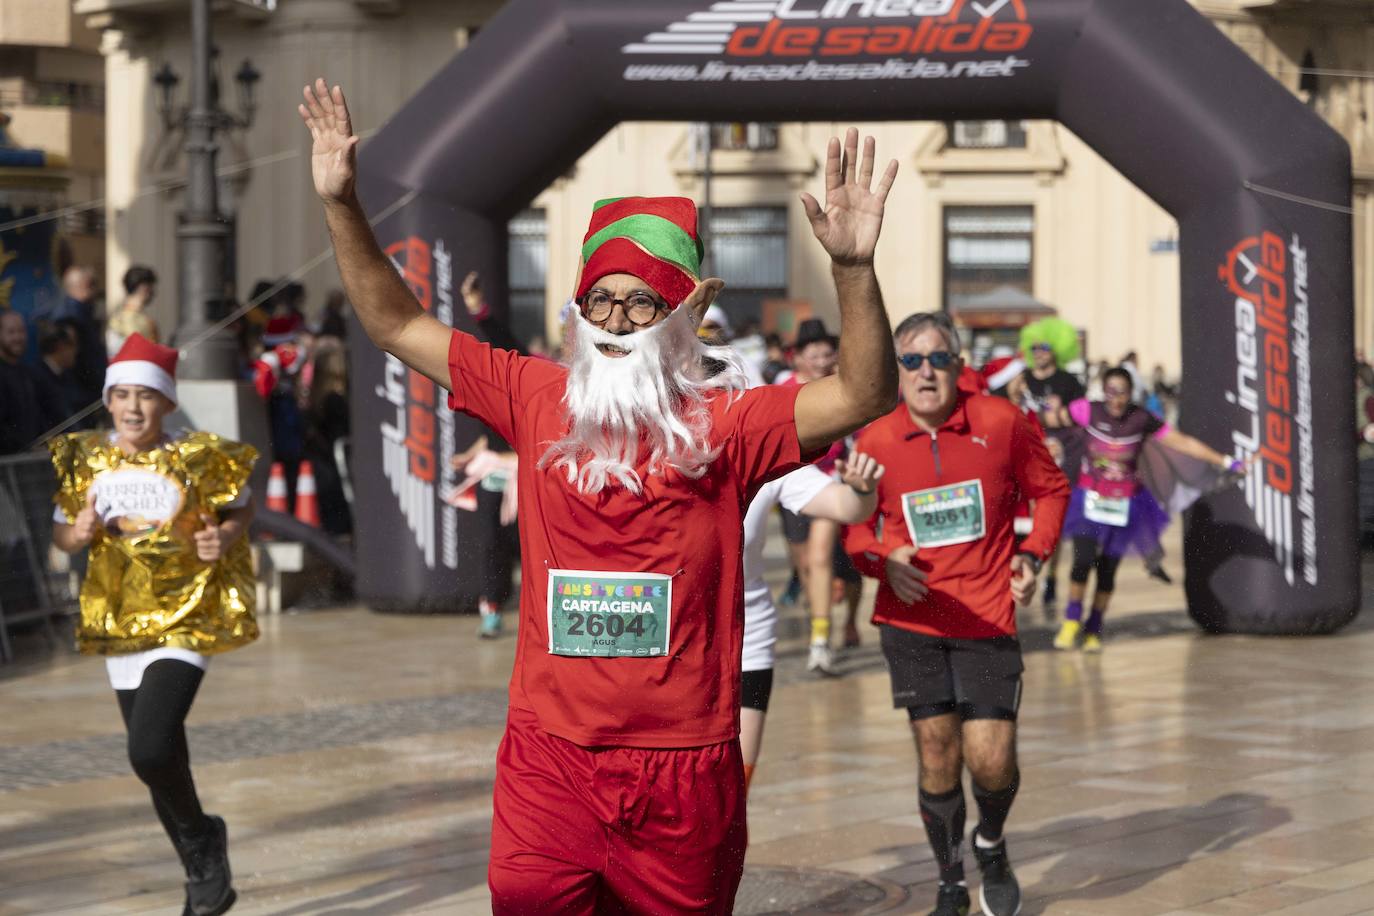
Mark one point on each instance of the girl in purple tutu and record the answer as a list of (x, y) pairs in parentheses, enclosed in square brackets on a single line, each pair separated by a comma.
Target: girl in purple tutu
[(1112, 513)]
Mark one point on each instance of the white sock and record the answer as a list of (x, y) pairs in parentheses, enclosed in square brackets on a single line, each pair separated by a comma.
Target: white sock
[(984, 843)]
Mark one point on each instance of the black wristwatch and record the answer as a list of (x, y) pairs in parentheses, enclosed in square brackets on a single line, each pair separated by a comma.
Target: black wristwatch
[(1035, 561)]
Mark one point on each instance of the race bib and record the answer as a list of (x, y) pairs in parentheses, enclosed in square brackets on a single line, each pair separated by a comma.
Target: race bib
[(1106, 510), (946, 515), (608, 614)]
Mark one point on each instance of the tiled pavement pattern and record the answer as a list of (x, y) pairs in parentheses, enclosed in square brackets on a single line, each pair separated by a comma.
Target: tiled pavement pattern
[(30, 765), (351, 755)]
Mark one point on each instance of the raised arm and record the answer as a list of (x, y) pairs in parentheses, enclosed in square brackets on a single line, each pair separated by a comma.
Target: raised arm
[(385, 306), (865, 386), (1196, 448), (854, 498)]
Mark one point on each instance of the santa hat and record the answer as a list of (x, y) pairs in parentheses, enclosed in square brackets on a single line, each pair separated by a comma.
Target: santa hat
[(998, 373), (142, 362), (652, 238), (283, 329)]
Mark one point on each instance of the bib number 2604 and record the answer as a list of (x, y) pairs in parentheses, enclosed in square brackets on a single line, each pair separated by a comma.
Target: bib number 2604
[(608, 614)]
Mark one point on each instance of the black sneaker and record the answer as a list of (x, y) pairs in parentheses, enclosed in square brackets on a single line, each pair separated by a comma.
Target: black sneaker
[(952, 901), (209, 890), (1000, 895), (1157, 572)]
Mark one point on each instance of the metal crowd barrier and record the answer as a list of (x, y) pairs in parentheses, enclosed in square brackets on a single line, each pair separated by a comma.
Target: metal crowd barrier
[(31, 591)]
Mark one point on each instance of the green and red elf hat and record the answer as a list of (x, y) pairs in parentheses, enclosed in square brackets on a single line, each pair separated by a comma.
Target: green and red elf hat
[(653, 238)]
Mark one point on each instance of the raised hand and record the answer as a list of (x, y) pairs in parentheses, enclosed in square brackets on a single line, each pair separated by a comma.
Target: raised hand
[(86, 522), (860, 472), (210, 541), (333, 158), (849, 226), (472, 293)]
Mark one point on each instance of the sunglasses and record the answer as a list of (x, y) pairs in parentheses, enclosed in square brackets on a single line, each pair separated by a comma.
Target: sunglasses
[(940, 359), (1117, 392), (1042, 346)]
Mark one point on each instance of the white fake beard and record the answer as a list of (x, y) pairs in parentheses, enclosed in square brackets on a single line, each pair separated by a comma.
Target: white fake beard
[(654, 397)]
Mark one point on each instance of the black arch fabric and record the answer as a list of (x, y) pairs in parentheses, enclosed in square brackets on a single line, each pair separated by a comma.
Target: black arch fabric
[(1259, 184)]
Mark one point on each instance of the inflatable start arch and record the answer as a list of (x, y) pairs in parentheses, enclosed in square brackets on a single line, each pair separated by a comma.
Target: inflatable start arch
[(1258, 183)]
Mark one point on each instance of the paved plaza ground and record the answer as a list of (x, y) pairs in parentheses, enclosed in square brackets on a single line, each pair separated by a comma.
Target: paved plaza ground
[(351, 755)]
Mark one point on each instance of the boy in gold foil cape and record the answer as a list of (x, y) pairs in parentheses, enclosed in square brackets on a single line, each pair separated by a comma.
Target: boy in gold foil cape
[(170, 583)]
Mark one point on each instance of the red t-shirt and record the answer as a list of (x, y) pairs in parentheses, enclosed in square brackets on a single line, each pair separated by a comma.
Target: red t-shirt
[(987, 454), (825, 463), (688, 529)]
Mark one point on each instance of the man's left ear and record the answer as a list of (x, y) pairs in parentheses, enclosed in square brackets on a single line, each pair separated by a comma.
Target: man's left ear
[(701, 298)]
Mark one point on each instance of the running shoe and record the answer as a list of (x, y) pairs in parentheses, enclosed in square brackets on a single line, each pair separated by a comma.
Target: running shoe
[(953, 900), (1068, 635), (1092, 643), (490, 626), (1000, 895), (1156, 571), (792, 594), (209, 885), (821, 660)]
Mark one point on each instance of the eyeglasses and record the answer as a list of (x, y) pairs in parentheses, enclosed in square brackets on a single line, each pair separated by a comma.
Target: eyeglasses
[(1043, 347), (641, 308), (940, 359)]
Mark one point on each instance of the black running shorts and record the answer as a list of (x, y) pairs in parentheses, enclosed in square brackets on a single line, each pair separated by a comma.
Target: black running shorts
[(796, 528), (842, 566), (933, 676)]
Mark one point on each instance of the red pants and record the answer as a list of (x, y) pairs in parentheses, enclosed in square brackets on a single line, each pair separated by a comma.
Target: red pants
[(614, 830)]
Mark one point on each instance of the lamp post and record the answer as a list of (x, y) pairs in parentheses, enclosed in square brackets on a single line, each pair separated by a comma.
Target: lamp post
[(203, 234)]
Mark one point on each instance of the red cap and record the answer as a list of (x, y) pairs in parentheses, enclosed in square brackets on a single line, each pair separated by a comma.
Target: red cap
[(142, 362)]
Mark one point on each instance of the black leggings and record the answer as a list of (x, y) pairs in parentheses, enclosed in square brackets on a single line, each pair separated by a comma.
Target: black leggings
[(756, 687), (1086, 558), (155, 716)]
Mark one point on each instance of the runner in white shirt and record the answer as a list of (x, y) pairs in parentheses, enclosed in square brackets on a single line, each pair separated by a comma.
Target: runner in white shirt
[(806, 491)]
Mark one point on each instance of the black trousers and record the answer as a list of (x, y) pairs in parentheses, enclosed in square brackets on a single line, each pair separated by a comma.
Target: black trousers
[(155, 717)]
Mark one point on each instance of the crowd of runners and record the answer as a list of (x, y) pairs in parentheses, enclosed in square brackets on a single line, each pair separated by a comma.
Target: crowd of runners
[(647, 462)]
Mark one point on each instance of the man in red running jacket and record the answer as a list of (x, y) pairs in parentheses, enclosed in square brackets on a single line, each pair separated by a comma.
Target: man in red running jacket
[(950, 576)]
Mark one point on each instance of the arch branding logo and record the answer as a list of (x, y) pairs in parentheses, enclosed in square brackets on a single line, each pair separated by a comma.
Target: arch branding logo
[(1266, 284), (417, 442), (832, 34)]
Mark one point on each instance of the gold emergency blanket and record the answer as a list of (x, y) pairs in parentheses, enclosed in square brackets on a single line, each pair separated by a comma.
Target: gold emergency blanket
[(145, 587)]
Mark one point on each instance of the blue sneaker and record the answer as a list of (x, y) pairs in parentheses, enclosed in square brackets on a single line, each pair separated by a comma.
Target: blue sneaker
[(490, 627)]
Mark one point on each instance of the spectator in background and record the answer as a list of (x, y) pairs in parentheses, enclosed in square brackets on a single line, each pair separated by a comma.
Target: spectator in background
[(291, 304), (715, 329), (326, 423), (1130, 362), (749, 344), (62, 394), (23, 417), (332, 320), (140, 286), (274, 377), (775, 359), (78, 308), (1364, 428)]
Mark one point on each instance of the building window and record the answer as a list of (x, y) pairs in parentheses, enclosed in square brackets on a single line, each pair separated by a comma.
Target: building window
[(987, 134), (986, 248), (528, 257), (754, 136), (748, 245)]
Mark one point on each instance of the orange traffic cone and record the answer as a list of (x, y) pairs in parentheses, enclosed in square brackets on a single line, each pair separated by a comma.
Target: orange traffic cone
[(276, 489), (307, 504)]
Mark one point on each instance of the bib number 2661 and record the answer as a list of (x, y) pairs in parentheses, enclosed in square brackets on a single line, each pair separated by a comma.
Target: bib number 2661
[(608, 614)]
